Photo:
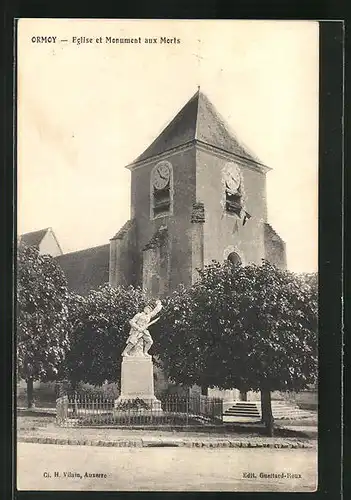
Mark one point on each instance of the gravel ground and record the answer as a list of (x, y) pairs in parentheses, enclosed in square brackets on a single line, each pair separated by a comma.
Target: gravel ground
[(125, 437), (42, 467), (44, 430)]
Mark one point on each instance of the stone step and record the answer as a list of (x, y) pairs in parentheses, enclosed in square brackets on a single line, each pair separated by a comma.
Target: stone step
[(241, 414), (252, 409), (236, 414), (241, 410)]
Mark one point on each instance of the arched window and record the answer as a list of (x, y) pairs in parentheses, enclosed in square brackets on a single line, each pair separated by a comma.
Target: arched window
[(234, 259), (161, 189)]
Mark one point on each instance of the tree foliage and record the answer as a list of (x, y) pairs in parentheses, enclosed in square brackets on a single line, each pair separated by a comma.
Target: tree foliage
[(100, 327), (241, 327), (253, 328), (42, 315)]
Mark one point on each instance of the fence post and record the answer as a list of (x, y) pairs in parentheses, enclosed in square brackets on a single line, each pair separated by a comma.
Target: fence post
[(75, 402), (59, 410), (66, 408), (86, 412), (174, 408)]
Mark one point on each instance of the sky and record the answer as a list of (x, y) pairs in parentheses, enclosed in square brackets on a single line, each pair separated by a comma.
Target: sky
[(85, 111)]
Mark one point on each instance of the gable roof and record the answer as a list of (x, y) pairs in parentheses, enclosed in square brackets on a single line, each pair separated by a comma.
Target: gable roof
[(272, 234), (124, 230), (33, 238), (198, 121), (87, 269), (157, 239)]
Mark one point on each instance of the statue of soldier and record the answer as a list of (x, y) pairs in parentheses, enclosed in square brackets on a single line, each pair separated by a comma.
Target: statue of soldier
[(139, 330)]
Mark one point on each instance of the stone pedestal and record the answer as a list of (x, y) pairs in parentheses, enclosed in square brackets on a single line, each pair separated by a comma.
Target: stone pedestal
[(137, 381)]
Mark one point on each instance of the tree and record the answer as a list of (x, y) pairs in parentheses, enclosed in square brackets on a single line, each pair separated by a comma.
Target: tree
[(42, 317), (253, 328), (100, 327), (310, 280)]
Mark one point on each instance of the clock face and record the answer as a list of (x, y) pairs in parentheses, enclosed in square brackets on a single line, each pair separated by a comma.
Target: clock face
[(161, 175), (232, 176)]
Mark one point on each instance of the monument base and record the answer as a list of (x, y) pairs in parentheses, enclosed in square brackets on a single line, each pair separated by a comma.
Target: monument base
[(137, 386)]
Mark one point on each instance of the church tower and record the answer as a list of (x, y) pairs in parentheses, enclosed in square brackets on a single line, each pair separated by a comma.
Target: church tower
[(197, 195)]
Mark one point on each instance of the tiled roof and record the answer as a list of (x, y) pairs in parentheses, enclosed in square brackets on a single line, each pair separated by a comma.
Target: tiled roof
[(197, 121), (34, 238), (272, 234), (124, 230), (158, 238), (86, 269)]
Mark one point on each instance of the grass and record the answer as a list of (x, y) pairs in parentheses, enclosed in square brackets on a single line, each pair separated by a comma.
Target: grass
[(308, 421), (42, 403), (32, 423)]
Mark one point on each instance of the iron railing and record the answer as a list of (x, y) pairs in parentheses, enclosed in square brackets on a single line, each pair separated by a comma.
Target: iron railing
[(172, 410)]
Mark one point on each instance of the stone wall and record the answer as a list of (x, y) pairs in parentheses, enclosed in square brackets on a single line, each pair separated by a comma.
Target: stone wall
[(226, 231), (275, 248), (49, 245), (178, 222), (124, 259)]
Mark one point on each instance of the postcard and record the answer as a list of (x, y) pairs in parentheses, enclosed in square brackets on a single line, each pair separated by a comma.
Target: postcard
[(167, 262)]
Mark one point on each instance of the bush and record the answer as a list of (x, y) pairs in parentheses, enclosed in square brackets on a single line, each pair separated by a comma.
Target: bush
[(138, 420), (43, 396), (106, 391)]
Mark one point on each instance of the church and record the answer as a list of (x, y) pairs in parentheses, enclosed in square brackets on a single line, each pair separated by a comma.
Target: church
[(197, 194)]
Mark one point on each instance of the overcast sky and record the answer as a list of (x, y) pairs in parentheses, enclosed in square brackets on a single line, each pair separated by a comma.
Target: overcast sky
[(85, 111)]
